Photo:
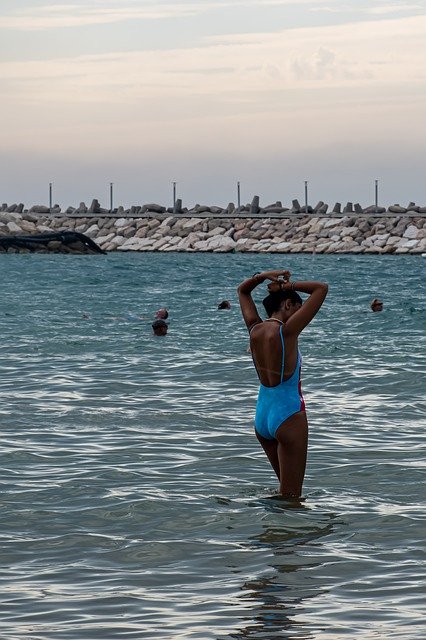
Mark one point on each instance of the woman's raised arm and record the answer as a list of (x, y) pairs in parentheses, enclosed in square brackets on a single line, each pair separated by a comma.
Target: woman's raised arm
[(299, 320), (248, 308)]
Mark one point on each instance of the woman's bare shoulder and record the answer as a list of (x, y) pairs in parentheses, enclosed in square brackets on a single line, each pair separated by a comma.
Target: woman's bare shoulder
[(255, 326)]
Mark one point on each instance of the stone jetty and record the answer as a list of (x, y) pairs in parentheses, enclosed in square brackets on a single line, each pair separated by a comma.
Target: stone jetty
[(251, 228)]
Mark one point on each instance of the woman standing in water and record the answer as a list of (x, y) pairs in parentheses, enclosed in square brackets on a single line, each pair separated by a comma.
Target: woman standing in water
[(281, 424)]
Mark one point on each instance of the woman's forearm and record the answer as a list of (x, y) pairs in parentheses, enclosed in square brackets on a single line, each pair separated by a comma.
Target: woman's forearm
[(248, 285), (306, 286)]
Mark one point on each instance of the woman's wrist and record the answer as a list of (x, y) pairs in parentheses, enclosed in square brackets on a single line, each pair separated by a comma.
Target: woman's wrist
[(258, 277), (289, 286)]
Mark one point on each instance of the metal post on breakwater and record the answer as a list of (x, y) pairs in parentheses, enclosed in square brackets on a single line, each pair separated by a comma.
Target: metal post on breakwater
[(376, 190)]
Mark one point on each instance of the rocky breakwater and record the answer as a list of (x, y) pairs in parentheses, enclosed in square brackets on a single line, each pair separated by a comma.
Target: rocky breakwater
[(304, 234), (292, 234)]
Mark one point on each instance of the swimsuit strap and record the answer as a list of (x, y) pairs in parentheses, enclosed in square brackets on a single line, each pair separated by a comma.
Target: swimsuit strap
[(254, 325), (282, 343)]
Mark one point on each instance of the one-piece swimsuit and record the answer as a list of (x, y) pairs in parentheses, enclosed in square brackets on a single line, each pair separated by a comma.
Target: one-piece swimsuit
[(278, 403)]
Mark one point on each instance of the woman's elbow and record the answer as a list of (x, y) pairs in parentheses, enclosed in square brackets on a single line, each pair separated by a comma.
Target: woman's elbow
[(324, 288)]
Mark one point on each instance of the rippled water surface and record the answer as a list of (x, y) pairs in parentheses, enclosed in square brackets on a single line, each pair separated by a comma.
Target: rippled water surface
[(136, 502)]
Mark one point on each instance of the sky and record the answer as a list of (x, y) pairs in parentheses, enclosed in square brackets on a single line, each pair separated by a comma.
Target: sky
[(205, 93)]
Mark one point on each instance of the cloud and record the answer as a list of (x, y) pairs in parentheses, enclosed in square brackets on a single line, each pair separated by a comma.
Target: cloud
[(393, 8), (311, 86), (387, 52), (380, 9), (101, 12), (78, 15), (107, 12), (319, 65)]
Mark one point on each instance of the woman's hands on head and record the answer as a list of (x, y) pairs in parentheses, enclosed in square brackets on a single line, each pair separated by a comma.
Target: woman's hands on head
[(277, 274), (279, 281)]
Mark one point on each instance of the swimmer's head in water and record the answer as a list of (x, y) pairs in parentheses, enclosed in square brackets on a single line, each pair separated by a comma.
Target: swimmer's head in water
[(376, 305), (163, 314), (225, 304), (160, 327), (274, 302)]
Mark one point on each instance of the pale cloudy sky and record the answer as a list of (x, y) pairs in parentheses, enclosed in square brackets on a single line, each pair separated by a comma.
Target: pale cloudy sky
[(207, 92)]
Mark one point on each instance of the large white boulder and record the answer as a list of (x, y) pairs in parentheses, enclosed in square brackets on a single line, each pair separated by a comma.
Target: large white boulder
[(118, 241), (331, 222), (335, 246), (262, 245), (167, 221), (189, 224), (13, 227), (10, 216), (393, 240), (129, 243), (217, 231), (92, 231), (104, 239), (28, 227), (407, 244), (411, 232), (188, 242), (160, 243), (201, 245), (121, 222), (281, 246)]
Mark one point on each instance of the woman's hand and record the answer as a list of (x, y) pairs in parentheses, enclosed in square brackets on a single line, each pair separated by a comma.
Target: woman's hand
[(279, 285), (275, 275)]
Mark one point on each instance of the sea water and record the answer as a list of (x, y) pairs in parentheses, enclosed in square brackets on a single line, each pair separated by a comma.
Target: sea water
[(136, 501)]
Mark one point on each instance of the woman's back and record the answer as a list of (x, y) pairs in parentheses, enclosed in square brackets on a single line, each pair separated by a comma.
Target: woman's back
[(274, 353)]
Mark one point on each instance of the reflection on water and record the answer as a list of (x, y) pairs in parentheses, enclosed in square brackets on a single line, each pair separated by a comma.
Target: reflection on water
[(279, 597)]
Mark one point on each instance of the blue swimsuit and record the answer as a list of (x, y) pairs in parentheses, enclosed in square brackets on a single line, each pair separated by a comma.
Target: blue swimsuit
[(276, 404)]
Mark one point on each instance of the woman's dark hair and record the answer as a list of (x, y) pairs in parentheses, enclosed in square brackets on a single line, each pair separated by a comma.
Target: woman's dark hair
[(273, 301)]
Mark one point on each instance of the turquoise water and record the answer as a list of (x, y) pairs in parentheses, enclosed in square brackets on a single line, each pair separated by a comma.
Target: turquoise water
[(136, 502)]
